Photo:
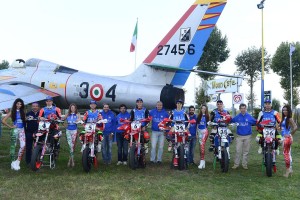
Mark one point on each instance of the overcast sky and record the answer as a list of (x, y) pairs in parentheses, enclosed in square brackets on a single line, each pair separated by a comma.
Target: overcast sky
[(95, 35)]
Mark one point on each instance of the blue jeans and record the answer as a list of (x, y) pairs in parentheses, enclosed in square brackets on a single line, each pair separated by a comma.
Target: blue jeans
[(192, 144), (122, 147), (157, 137), (106, 148)]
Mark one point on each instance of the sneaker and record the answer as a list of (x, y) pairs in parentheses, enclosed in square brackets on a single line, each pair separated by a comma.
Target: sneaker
[(119, 163), (12, 165), (159, 162), (124, 163), (16, 165), (245, 166), (235, 166), (259, 150), (202, 164)]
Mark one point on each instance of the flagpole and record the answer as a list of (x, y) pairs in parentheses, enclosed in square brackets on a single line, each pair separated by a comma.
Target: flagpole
[(291, 79), (137, 19)]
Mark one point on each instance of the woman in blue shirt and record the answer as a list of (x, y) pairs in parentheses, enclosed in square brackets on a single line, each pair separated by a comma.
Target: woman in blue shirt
[(17, 115), (71, 132), (288, 128), (202, 131)]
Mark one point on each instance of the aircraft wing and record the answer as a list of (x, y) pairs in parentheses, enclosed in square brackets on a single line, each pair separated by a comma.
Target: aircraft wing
[(29, 93)]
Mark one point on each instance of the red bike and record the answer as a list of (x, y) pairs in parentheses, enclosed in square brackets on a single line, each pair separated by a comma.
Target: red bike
[(137, 138), (89, 141), (46, 143), (179, 135), (268, 144)]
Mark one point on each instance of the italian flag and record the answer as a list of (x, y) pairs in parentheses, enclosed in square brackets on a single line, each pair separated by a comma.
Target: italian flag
[(134, 38)]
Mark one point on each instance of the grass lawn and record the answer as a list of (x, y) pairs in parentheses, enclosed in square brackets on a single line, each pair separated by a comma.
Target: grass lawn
[(153, 182)]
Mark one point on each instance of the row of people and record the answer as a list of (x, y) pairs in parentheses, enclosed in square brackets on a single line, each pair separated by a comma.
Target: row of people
[(23, 129)]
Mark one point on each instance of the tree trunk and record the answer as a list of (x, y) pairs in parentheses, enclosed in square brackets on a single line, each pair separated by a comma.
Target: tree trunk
[(251, 93)]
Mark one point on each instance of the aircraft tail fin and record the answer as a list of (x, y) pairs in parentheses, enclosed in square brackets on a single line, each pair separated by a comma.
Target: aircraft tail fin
[(183, 45)]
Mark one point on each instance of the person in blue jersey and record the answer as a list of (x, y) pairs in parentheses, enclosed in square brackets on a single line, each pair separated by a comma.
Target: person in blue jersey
[(201, 122), (92, 116), (268, 114), (32, 126), (121, 141), (177, 114), (138, 113), (72, 117), (288, 129), (157, 135), (17, 115), (45, 113), (244, 132), (216, 116), (108, 133), (193, 137)]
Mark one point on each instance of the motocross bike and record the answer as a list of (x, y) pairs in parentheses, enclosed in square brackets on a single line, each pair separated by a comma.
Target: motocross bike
[(180, 140), (135, 135), (90, 138), (223, 139), (46, 143), (268, 144)]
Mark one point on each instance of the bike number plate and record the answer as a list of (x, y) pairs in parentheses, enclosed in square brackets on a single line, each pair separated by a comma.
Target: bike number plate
[(269, 132), (135, 125), (179, 127), (89, 127)]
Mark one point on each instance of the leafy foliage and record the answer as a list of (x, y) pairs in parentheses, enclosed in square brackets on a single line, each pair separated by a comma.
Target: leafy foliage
[(214, 53), (4, 64), (250, 62), (276, 104), (281, 66)]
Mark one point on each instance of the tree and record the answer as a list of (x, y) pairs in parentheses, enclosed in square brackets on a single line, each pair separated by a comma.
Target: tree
[(281, 66), (251, 97), (214, 53), (201, 98), (250, 62), (4, 64), (276, 104)]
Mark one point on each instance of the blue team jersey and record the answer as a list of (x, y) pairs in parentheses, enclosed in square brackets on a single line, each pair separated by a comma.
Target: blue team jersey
[(48, 111), (284, 130), (71, 119), (157, 117), (193, 127), (92, 116), (178, 115), (120, 116), (203, 123), (18, 122), (218, 116)]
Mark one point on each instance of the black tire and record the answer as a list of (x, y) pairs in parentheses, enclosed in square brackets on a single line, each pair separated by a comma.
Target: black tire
[(36, 163), (224, 161), (181, 161), (86, 163), (142, 159), (132, 157), (269, 161)]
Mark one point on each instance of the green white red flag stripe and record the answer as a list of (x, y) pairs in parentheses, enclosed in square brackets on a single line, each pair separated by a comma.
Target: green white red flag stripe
[(134, 38)]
